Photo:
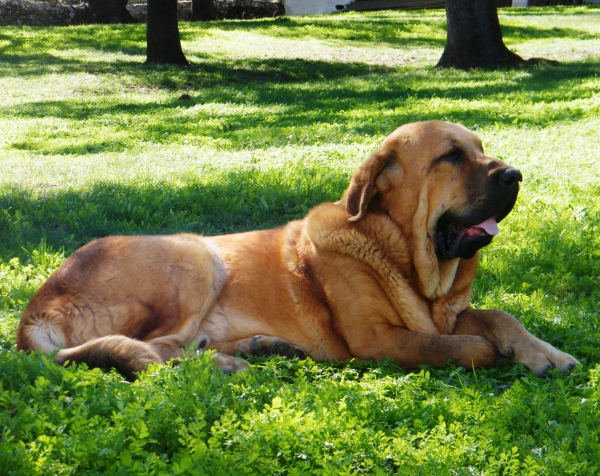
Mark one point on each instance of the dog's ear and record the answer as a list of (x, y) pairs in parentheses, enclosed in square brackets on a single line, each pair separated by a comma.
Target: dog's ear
[(362, 187)]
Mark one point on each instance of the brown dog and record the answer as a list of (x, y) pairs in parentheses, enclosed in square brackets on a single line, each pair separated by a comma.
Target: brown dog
[(385, 272)]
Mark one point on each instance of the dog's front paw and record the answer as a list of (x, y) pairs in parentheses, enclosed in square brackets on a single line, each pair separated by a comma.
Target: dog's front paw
[(539, 357)]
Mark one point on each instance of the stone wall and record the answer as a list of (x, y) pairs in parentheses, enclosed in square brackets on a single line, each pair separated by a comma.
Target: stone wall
[(54, 13), (27, 12), (249, 8), (226, 9)]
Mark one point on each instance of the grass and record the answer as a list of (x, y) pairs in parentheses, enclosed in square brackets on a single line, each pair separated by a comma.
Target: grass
[(93, 143)]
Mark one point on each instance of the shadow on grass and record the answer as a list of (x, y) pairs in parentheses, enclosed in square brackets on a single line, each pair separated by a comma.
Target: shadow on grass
[(232, 202), (550, 258), (212, 76), (286, 93), (550, 12), (19, 45), (513, 33)]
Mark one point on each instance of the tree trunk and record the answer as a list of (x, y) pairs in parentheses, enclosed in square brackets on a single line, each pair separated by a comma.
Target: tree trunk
[(109, 11), (474, 38), (203, 10), (162, 33)]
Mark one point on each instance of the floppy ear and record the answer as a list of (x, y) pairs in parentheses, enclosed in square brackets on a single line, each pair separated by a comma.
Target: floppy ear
[(362, 187)]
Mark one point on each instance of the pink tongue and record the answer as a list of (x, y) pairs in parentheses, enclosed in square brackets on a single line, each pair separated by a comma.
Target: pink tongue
[(489, 226)]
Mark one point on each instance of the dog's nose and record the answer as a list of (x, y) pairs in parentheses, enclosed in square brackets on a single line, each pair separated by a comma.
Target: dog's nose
[(509, 176)]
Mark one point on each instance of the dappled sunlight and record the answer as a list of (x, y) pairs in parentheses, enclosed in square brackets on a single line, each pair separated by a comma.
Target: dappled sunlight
[(265, 100), (354, 30), (97, 56), (518, 32), (567, 51)]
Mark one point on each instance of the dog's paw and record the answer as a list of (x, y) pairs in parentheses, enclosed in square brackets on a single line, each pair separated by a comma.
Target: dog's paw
[(229, 363), (539, 357), (263, 346)]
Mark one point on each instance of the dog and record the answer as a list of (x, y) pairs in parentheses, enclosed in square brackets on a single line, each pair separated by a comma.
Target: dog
[(386, 272)]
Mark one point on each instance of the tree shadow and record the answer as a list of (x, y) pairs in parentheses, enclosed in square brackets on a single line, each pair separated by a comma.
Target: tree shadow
[(545, 11), (515, 34), (385, 96), (381, 29), (234, 201)]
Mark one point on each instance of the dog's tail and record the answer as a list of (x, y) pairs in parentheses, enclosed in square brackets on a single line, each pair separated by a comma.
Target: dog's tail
[(124, 354)]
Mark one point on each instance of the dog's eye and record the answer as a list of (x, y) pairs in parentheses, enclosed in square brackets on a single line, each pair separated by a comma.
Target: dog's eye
[(453, 157)]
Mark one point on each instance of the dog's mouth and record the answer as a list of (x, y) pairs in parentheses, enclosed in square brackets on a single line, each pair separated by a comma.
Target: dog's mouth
[(459, 241), (462, 231)]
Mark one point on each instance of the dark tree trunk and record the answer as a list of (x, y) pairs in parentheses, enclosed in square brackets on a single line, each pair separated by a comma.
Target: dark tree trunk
[(203, 10), (109, 11), (162, 33), (474, 38)]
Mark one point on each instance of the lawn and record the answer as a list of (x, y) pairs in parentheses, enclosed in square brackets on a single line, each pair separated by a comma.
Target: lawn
[(280, 112)]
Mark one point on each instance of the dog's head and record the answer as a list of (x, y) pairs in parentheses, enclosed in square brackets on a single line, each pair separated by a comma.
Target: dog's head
[(433, 180)]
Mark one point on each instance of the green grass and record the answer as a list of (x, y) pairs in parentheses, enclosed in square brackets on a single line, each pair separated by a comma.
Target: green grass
[(93, 142)]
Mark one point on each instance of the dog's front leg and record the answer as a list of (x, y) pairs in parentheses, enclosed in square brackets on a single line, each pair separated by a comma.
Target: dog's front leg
[(259, 346), (513, 340), (412, 349)]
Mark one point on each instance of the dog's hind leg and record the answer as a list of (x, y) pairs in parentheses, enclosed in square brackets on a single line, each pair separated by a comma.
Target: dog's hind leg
[(44, 331), (128, 356), (172, 347)]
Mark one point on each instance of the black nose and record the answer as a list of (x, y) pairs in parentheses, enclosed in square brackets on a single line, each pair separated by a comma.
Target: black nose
[(509, 176)]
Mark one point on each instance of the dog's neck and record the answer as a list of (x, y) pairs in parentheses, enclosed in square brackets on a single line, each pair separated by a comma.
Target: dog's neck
[(379, 243)]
